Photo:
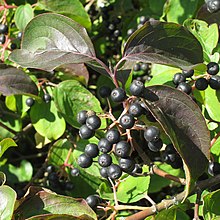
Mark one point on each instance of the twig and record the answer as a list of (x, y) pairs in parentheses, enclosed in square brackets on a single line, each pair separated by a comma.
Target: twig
[(196, 209), (114, 192), (7, 128)]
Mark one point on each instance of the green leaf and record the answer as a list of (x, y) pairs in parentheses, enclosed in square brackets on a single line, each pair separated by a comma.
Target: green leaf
[(184, 123), (47, 121), (49, 203), (164, 43), (2, 178), (7, 198), (212, 103), (211, 209), (71, 8), (178, 10), (71, 97), (5, 144), (23, 14), (206, 34), (20, 173), (14, 81), (51, 40)]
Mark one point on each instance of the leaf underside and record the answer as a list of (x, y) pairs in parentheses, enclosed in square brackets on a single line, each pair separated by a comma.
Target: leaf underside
[(181, 119), (164, 43), (51, 40)]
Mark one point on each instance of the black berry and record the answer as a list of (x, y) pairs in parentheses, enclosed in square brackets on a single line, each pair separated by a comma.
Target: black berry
[(92, 201), (122, 149), (201, 84), (137, 67), (93, 122), (104, 160), (143, 19), (118, 95), (127, 121), (152, 133), (185, 87), (137, 169), (47, 97), (212, 68), (155, 145), (117, 33), (188, 73), (144, 67), (213, 6), (214, 82), (29, 102), (105, 91), (214, 168), (135, 109), (114, 171), (104, 172), (104, 145), (127, 164), (13, 46), (178, 78), (136, 88), (113, 136), (50, 169), (85, 132), (74, 172), (84, 161), (91, 150), (3, 29), (130, 32), (81, 117), (2, 39)]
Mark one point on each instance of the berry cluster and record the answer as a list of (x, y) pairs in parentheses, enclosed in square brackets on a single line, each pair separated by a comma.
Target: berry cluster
[(46, 98), (3, 32)]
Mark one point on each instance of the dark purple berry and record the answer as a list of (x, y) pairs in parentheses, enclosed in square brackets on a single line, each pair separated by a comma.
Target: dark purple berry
[(127, 164), (84, 161), (104, 145), (178, 78), (122, 149), (185, 87), (29, 102), (201, 84), (114, 171), (3, 29), (137, 67), (91, 150), (47, 97), (74, 172), (50, 169), (93, 201), (85, 132), (127, 121), (105, 160), (130, 32), (105, 91), (81, 117), (136, 88), (152, 133), (13, 46), (137, 169), (93, 122), (104, 172), (144, 67), (213, 6), (135, 109), (214, 82), (117, 33), (155, 146), (113, 136), (188, 73), (214, 168), (118, 95), (212, 68), (2, 39)]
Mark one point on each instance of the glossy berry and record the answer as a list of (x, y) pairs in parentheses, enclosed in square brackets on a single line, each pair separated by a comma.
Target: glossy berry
[(13, 46), (116, 33), (50, 169), (84, 161), (137, 169), (104, 145), (47, 97), (178, 78), (130, 32), (127, 121), (93, 122), (105, 91), (143, 19), (92, 201), (29, 102), (152, 133), (122, 149), (214, 168), (212, 68), (136, 88), (137, 67), (105, 160), (3, 29), (201, 84), (126, 164), (155, 146), (2, 39), (185, 87), (85, 132), (19, 36), (91, 150), (104, 172), (118, 95), (114, 171), (188, 73), (144, 67), (74, 172), (81, 117), (213, 6), (111, 27), (214, 82), (113, 136), (135, 109)]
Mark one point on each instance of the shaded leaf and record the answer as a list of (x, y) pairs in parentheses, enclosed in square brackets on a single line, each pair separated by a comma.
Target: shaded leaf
[(164, 43), (51, 40), (71, 8), (2, 178), (14, 81), (71, 97), (49, 203), (211, 209), (184, 124), (7, 198), (5, 144), (23, 14)]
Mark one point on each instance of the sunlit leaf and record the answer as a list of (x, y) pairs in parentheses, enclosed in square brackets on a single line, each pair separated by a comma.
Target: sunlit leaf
[(5, 144)]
